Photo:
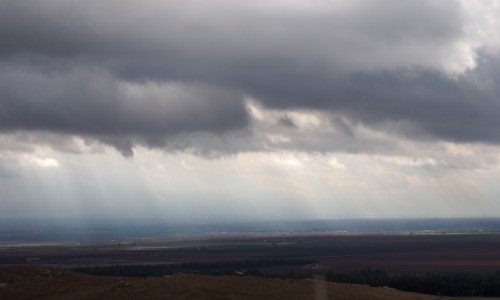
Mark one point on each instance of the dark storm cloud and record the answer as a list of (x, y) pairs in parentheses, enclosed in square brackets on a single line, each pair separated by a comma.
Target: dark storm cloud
[(119, 113), (459, 110), (463, 109), (127, 72)]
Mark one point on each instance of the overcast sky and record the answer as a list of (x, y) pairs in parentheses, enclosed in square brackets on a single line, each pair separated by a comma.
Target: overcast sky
[(210, 110)]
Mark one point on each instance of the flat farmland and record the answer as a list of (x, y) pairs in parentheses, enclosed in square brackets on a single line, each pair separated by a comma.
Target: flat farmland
[(396, 253)]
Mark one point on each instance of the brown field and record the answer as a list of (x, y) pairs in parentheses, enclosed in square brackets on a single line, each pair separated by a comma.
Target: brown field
[(395, 253), (39, 282)]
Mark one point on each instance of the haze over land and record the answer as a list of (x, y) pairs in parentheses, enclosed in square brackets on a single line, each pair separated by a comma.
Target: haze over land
[(241, 110)]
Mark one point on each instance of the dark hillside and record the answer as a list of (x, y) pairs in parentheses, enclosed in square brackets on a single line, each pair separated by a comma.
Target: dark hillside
[(38, 282)]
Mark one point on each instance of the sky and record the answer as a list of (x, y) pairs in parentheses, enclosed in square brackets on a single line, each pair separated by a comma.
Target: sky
[(249, 110)]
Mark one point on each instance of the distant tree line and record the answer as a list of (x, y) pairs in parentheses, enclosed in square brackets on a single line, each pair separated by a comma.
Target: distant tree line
[(212, 268), (451, 284)]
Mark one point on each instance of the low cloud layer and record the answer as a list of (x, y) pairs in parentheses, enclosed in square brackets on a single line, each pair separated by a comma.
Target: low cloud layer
[(119, 113), (180, 75)]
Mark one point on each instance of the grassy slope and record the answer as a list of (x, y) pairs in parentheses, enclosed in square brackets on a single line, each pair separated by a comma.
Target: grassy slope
[(35, 282)]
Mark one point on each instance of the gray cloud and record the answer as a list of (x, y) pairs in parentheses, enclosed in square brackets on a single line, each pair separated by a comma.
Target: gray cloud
[(287, 121), (6, 170), (154, 73), (116, 112), (196, 37), (421, 104)]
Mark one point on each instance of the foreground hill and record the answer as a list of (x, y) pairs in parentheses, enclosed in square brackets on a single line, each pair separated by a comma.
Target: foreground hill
[(38, 282)]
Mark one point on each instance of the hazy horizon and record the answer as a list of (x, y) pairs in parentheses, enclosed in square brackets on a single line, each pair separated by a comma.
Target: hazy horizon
[(25, 232)]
